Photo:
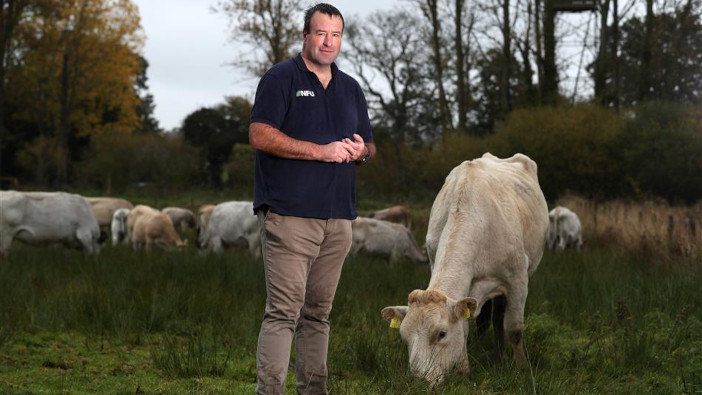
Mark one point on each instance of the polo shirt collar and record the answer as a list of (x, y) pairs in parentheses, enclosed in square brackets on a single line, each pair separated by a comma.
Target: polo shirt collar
[(302, 66)]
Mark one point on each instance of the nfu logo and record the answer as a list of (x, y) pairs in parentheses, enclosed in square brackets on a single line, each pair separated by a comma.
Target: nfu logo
[(304, 93)]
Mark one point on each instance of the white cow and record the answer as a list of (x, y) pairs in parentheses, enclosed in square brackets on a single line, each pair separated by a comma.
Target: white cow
[(231, 224), (486, 235), (118, 227), (41, 218), (564, 230), (385, 238), (396, 214)]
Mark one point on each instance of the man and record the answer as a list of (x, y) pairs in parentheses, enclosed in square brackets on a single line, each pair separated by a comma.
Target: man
[(310, 127)]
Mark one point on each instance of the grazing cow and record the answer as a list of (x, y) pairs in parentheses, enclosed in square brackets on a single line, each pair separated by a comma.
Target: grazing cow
[(486, 235), (386, 238), (564, 230), (182, 218), (134, 214), (397, 214), (155, 228), (231, 224), (119, 226), (40, 218), (203, 219), (105, 207)]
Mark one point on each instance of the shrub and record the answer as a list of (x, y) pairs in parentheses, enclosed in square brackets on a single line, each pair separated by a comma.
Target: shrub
[(662, 149), (573, 147), (117, 161)]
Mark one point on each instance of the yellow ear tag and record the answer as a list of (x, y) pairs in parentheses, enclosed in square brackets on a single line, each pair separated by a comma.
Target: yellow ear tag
[(466, 314), (394, 323)]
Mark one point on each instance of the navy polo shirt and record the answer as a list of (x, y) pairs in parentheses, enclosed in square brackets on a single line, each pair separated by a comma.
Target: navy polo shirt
[(291, 98)]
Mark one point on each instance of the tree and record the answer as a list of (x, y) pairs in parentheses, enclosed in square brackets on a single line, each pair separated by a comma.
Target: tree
[(75, 71), (430, 10), (268, 27), (675, 68), (11, 47), (389, 54), (490, 96), (146, 106), (463, 27), (548, 80), (215, 130)]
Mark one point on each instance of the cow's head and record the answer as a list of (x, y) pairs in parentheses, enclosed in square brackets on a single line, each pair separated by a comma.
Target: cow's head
[(435, 328)]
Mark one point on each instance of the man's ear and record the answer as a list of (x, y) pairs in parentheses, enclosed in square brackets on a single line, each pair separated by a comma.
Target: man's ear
[(394, 314), (465, 308)]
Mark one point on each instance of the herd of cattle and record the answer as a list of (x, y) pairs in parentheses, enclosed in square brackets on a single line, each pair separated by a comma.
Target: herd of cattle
[(488, 228), (40, 218)]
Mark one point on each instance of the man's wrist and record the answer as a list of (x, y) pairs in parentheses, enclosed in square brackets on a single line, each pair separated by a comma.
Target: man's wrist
[(365, 157)]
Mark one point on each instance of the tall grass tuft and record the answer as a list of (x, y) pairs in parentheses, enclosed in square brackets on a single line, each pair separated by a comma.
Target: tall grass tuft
[(197, 354), (652, 230)]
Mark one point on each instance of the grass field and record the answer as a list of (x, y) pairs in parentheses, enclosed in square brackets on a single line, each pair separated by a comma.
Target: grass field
[(128, 322)]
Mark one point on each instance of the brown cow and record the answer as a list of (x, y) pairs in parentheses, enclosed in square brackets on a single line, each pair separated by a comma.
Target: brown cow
[(155, 228), (134, 214), (203, 219), (105, 207), (397, 214), (182, 218)]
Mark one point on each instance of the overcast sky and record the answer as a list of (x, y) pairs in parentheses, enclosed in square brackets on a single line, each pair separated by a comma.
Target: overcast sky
[(188, 50)]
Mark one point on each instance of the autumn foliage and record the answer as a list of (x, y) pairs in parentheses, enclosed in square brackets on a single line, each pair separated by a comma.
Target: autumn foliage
[(69, 68)]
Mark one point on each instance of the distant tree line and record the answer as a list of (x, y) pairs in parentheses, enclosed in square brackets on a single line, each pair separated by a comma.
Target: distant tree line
[(446, 80)]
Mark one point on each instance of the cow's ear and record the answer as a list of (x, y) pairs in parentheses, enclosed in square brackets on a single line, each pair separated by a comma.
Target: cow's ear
[(394, 314), (465, 308)]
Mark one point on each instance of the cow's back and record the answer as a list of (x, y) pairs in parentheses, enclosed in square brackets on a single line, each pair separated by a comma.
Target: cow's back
[(104, 208), (56, 212), (232, 223), (384, 237), (490, 209), (48, 217), (233, 220)]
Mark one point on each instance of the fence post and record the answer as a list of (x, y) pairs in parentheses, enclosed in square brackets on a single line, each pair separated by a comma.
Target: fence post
[(671, 227)]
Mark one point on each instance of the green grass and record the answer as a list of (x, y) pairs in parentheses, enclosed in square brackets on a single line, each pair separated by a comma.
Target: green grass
[(185, 323)]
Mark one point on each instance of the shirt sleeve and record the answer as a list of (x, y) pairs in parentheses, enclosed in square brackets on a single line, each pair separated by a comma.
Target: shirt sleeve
[(270, 104)]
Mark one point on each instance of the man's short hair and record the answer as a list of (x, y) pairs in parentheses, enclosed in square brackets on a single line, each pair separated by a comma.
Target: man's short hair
[(324, 8)]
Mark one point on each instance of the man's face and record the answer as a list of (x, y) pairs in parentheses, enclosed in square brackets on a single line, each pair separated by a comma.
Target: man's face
[(323, 42)]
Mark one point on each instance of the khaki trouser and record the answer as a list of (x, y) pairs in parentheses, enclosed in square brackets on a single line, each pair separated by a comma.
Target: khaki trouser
[(302, 259)]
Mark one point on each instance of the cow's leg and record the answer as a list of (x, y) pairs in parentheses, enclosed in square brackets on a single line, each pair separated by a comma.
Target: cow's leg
[(86, 240), (394, 256), (254, 241), (493, 311), (483, 320), (514, 319), (499, 305), (5, 243), (147, 243), (215, 244), (135, 243)]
